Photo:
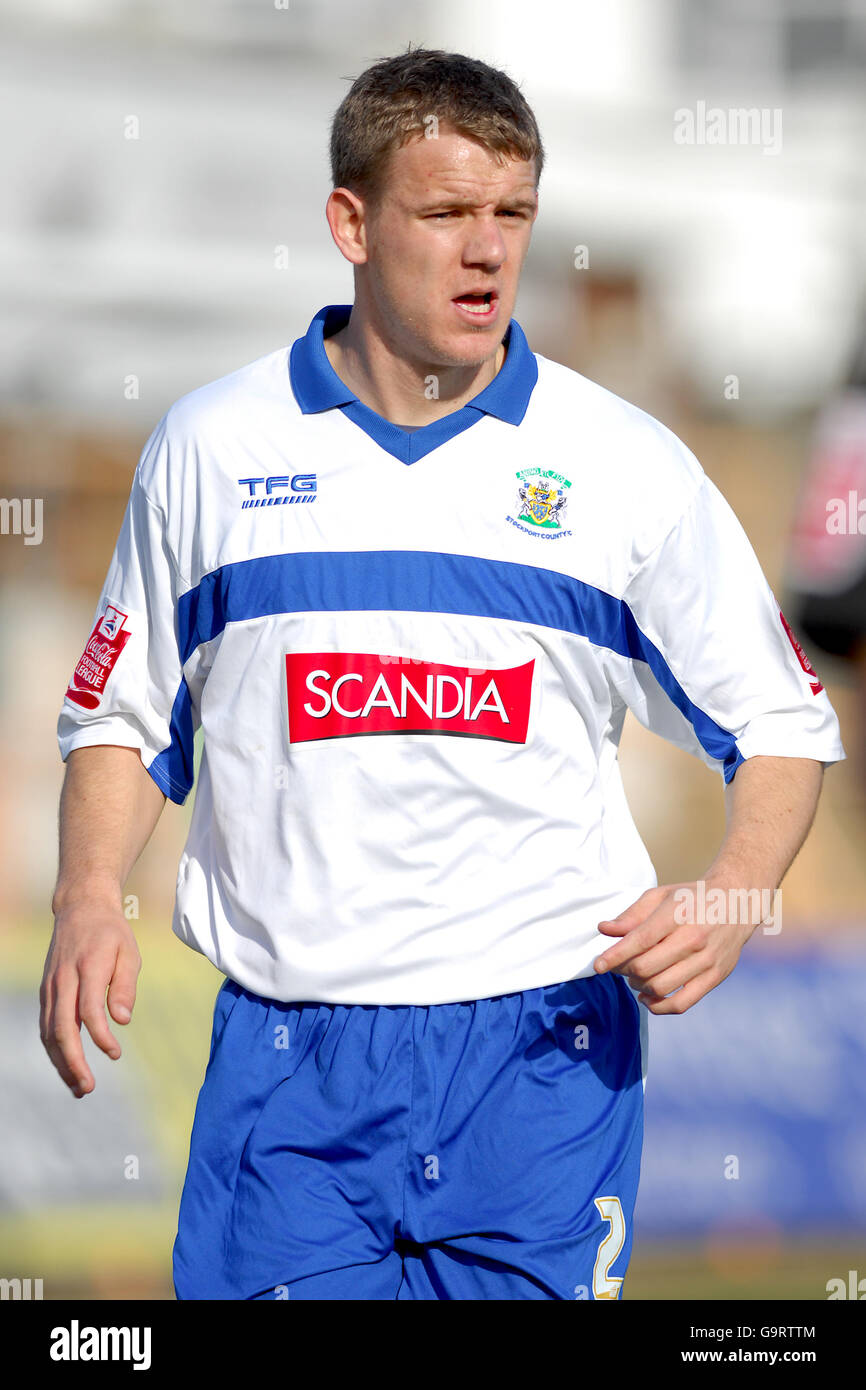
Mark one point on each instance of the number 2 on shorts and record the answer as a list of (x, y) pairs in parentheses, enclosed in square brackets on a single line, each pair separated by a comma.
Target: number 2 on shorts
[(603, 1286)]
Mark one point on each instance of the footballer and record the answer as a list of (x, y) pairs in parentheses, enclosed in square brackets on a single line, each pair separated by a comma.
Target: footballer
[(406, 576)]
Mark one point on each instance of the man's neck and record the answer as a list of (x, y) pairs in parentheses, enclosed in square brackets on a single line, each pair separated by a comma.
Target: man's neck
[(398, 390)]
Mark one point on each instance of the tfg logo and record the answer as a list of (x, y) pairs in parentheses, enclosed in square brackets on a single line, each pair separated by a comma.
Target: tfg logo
[(278, 490)]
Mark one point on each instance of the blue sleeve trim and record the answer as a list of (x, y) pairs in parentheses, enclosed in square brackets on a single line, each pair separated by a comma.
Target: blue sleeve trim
[(718, 742), (732, 765), (172, 770)]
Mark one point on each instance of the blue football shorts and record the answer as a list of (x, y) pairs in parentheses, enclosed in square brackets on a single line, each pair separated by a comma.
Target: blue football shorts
[(488, 1149)]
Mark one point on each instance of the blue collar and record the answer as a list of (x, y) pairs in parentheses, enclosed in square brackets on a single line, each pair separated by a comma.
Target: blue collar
[(317, 387)]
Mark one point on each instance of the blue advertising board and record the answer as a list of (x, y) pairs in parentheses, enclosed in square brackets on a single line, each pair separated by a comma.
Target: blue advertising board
[(756, 1097)]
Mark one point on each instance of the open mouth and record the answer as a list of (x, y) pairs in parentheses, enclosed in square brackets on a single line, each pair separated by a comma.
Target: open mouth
[(478, 305)]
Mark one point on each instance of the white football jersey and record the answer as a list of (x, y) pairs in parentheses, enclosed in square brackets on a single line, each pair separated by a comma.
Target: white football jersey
[(410, 654)]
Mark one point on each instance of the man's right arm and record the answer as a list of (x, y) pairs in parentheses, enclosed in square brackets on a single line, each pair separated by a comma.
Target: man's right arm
[(108, 809)]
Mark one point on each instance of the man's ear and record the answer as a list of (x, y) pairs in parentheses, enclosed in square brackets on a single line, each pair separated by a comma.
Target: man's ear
[(347, 219)]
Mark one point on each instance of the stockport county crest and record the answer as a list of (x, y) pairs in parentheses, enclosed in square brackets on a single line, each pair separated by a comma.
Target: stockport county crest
[(542, 498)]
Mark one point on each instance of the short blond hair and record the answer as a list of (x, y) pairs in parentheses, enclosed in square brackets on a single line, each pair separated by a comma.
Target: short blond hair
[(395, 98)]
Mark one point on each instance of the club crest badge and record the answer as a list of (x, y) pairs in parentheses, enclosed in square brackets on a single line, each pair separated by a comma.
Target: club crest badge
[(541, 503)]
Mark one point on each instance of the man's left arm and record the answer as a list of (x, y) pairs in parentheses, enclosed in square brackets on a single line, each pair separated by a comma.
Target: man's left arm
[(770, 805)]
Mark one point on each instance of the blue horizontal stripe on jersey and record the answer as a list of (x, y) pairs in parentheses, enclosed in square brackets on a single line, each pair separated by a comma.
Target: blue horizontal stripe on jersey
[(426, 582)]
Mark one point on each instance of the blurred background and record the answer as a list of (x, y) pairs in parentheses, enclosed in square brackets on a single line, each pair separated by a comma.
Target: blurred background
[(700, 250)]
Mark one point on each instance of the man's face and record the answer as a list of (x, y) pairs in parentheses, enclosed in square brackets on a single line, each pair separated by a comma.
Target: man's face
[(453, 224)]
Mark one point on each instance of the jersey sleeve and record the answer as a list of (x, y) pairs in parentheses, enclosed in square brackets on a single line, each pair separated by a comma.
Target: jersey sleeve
[(716, 668), (128, 686)]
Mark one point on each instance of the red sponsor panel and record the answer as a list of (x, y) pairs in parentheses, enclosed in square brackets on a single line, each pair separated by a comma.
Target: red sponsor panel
[(335, 694), (814, 683), (96, 663)]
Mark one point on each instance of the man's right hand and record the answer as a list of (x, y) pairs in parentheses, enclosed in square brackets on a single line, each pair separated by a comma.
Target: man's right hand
[(92, 951), (109, 806)]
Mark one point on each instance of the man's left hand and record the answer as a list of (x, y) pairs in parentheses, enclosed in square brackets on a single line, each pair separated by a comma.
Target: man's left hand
[(673, 963)]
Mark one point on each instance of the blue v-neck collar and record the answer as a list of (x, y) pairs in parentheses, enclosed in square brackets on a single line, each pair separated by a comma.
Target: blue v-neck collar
[(317, 387)]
